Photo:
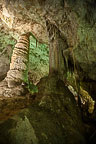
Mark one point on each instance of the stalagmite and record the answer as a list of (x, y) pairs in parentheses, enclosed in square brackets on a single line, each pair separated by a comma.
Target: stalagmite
[(18, 72)]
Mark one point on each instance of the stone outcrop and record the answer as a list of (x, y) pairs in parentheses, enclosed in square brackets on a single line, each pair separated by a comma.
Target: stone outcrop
[(52, 118)]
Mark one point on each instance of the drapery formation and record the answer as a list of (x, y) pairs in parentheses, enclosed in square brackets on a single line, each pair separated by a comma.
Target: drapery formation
[(56, 47)]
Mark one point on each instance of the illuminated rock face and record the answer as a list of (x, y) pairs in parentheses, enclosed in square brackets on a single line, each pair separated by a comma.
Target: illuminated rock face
[(18, 72), (6, 17)]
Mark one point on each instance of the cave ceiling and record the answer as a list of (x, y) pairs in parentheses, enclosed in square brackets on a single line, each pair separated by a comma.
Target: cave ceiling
[(75, 20)]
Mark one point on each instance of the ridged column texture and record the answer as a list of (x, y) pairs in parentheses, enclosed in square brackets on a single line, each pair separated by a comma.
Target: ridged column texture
[(18, 72)]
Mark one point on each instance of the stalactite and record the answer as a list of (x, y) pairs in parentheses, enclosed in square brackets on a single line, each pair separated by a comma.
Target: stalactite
[(57, 44), (68, 60), (18, 72)]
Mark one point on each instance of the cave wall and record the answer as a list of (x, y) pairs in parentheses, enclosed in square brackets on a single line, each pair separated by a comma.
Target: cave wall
[(38, 60), (6, 48), (38, 57), (76, 21)]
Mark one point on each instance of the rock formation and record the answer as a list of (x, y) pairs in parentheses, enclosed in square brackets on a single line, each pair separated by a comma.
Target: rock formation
[(18, 72), (69, 28), (74, 23), (5, 56), (52, 118)]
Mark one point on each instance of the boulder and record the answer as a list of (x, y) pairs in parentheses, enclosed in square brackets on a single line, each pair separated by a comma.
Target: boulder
[(53, 118)]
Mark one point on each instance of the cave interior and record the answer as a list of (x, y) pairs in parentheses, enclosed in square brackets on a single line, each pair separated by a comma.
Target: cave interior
[(47, 72)]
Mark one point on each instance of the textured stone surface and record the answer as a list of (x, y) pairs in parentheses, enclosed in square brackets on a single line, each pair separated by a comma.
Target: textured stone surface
[(12, 91), (18, 72), (5, 61), (38, 60), (75, 20), (76, 23), (52, 118), (25, 18)]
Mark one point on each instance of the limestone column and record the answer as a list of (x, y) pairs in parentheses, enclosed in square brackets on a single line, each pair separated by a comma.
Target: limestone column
[(18, 72)]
